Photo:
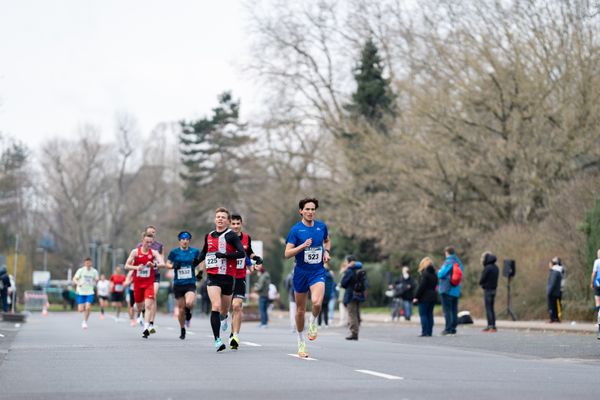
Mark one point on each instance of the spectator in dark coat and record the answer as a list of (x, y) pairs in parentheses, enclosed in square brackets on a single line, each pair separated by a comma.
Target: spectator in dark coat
[(354, 296), (489, 283), (553, 293), (426, 296), (408, 285), (4, 285)]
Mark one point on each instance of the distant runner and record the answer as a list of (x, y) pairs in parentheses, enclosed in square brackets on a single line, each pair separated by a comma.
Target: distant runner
[(117, 290), (85, 278)]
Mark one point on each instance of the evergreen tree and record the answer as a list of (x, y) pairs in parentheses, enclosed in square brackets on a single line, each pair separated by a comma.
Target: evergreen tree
[(591, 229), (211, 153), (373, 98), (13, 181)]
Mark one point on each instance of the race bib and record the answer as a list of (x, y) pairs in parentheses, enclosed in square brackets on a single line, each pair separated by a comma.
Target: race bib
[(240, 263), (313, 255), (118, 288), (88, 279), (211, 260), (184, 273), (144, 273)]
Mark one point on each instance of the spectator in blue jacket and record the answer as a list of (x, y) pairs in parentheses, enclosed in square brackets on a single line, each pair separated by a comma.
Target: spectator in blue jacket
[(355, 282), (448, 292), (329, 285)]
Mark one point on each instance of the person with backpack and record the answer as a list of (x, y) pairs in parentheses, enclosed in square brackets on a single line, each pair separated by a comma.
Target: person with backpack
[(553, 292), (355, 282), (450, 277)]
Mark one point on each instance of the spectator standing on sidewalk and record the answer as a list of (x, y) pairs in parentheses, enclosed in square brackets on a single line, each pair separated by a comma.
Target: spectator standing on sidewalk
[(426, 295), (289, 285), (4, 285), (553, 293), (261, 287), (449, 292), (355, 282), (329, 285), (557, 265), (408, 285), (489, 283)]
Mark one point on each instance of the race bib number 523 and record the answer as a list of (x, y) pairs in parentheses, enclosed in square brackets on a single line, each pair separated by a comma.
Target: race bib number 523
[(313, 255)]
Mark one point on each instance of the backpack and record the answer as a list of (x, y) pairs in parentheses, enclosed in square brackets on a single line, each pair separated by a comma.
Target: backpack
[(456, 275), (359, 283), (399, 290)]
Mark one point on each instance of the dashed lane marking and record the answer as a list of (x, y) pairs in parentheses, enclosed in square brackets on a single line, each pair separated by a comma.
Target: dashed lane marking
[(252, 344), (379, 374), (303, 358)]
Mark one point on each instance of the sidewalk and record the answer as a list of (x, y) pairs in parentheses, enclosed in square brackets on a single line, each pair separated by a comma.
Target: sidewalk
[(567, 326)]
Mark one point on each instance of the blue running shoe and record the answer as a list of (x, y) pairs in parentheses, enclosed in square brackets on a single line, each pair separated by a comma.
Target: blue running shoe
[(219, 345)]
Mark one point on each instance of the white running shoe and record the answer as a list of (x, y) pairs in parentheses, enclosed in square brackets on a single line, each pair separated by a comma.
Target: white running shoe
[(84, 325), (225, 324), (140, 321)]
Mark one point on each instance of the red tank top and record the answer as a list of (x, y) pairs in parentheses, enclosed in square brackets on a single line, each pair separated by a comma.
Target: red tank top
[(219, 266), (240, 269), (145, 275)]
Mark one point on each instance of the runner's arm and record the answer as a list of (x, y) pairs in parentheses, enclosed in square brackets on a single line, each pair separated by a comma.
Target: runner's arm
[(326, 249), (128, 278), (129, 264), (233, 239), (291, 250), (202, 255), (160, 260)]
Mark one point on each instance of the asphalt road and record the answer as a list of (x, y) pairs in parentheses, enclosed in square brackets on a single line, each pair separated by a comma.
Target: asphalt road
[(53, 358)]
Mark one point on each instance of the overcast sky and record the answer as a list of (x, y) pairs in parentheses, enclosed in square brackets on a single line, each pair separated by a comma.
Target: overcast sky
[(68, 62)]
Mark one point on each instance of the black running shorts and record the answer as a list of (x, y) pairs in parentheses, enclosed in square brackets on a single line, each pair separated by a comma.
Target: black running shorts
[(239, 288), (117, 297), (179, 291), (225, 282)]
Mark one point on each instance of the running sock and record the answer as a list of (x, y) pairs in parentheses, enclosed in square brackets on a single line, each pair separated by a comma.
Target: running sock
[(146, 326), (223, 317), (151, 323), (188, 314), (101, 310), (312, 318), (301, 336), (215, 323)]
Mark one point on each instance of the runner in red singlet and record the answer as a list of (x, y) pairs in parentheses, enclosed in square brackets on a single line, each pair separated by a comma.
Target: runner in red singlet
[(142, 261), (239, 287)]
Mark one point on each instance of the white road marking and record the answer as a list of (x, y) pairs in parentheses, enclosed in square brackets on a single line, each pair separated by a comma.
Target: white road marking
[(170, 328), (190, 332), (252, 344), (1, 335), (379, 374), (303, 358)]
